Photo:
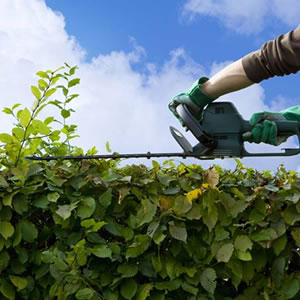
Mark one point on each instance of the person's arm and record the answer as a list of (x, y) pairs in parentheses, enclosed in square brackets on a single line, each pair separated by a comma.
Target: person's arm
[(277, 57), (229, 79)]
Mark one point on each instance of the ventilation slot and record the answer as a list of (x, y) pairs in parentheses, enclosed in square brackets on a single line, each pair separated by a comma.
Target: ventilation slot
[(219, 110)]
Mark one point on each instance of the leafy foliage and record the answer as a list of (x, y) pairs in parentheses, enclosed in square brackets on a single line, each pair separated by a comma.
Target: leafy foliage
[(94, 230), (33, 136)]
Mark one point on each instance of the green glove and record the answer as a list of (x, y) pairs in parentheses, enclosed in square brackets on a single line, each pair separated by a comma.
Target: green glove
[(265, 129), (194, 98)]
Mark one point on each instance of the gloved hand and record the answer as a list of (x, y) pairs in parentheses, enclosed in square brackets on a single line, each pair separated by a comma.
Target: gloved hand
[(194, 98), (265, 129)]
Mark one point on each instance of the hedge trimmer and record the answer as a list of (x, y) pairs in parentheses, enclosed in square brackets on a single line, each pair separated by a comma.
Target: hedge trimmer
[(220, 135)]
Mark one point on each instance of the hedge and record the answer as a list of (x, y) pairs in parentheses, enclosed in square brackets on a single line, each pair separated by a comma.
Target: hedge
[(95, 230)]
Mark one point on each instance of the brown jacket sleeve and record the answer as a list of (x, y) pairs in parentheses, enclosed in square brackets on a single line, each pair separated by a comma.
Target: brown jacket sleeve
[(278, 57)]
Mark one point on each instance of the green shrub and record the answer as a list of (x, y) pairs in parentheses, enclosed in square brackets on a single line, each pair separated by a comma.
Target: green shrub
[(95, 230)]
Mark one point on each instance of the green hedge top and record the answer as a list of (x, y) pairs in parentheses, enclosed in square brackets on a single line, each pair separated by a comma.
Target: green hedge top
[(93, 230)]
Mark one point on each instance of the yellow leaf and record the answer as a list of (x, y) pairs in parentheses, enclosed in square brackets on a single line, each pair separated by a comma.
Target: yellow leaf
[(192, 195), (206, 185), (165, 202)]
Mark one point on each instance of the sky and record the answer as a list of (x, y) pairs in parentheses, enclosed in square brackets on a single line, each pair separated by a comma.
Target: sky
[(134, 56)]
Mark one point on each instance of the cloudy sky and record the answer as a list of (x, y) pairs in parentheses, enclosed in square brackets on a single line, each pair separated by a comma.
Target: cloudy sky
[(134, 56)]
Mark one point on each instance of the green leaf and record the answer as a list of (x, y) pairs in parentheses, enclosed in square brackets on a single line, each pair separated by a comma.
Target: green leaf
[(178, 232), (42, 84), (86, 207), (29, 231), (18, 133), (42, 202), (128, 288), (128, 269), (24, 117), (243, 243), (102, 251), (170, 267), (87, 223), (34, 169), (19, 282), (50, 92), (58, 69), (49, 120), (71, 97), (42, 74), (221, 233), (4, 260), (291, 215), (84, 294), (296, 235), (7, 111), (107, 147), (190, 289), (73, 82), (40, 127), (72, 70), (139, 246), (53, 197), (18, 235), (6, 229), (156, 263), (3, 182), (225, 252), (21, 204), (290, 288), (264, 235), (211, 218), (144, 291), (245, 256), (237, 193), (7, 199), (182, 205), (109, 294), (15, 106), (105, 198), (6, 138), (64, 211), (208, 280), (277, 271), (146, 212), (65, 113), (36, 92), (7, 289), (98, 226), (279, 227), (279, 244), (194, 213), (168, 285)]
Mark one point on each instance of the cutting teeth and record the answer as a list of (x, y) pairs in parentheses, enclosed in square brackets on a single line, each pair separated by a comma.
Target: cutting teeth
[(222, 152)]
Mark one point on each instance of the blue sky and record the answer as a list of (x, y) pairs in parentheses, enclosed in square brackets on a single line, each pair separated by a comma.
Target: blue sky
[(161, 26), (134, 56)]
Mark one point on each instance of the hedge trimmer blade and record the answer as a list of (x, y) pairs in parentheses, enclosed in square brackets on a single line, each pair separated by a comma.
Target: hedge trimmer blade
[(147, 155), (220, 135)]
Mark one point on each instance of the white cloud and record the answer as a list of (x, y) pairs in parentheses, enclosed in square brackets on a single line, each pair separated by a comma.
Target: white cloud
[(246, 16), (117, 103)]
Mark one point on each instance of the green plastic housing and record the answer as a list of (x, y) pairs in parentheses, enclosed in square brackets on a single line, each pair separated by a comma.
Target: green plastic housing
[(222, 126)]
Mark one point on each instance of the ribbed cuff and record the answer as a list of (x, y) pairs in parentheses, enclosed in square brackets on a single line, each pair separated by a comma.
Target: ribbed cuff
[(197, 96)]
